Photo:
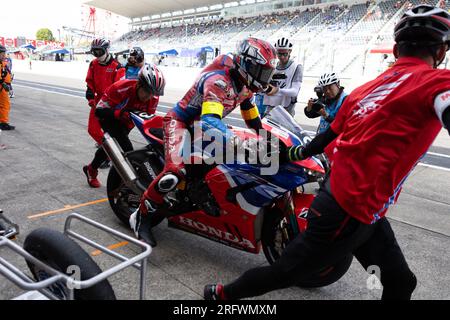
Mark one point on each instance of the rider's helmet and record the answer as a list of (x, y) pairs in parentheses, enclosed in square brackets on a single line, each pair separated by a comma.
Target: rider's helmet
[(99, 47), (328, 78), (283, 44), (424, 26), (256, 62), (138, 54), (152, 79)]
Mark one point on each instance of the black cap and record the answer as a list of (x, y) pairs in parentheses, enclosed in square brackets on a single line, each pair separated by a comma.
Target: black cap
[(2, 48)]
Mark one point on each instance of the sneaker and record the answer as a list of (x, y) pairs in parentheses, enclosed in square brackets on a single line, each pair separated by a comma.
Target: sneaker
[(142, 228), (106, 164), (91, 175), (6, 126), (214, 292)]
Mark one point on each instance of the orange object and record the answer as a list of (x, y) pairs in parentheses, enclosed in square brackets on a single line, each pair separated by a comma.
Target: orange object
[(5, 104)]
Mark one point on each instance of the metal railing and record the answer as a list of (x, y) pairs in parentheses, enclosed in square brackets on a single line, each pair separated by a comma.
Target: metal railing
[(20, 279)]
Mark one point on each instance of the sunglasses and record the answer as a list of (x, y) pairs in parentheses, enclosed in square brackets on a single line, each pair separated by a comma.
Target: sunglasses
[(283, 54)]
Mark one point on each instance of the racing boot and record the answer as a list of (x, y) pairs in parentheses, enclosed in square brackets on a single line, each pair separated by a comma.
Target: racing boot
[(214, 292), (91, 175), (140, 222)]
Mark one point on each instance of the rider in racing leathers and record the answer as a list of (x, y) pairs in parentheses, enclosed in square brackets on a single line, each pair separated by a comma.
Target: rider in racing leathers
[(228, 82)]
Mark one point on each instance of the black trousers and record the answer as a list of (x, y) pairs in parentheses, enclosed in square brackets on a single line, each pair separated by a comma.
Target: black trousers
[(116, 130), (331, 235)]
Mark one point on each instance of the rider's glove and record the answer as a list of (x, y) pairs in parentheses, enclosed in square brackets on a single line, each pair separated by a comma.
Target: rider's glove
[(91, 103), (295, 153)]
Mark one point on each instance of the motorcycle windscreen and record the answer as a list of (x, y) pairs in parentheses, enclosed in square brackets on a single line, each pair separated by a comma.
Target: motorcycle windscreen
[(282, 119)]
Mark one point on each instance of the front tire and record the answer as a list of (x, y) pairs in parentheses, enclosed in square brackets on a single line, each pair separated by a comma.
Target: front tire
[(274, 241)]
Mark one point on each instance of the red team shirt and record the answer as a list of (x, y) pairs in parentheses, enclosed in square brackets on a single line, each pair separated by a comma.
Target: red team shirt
[(122, 97), (384, 128), (100, 77)]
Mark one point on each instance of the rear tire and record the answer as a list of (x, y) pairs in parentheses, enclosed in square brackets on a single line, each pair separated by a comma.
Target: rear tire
[(122, 199), (61, 253), (273, 245)]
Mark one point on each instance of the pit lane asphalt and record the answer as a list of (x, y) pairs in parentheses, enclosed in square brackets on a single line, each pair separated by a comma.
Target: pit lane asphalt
[(40, 171)]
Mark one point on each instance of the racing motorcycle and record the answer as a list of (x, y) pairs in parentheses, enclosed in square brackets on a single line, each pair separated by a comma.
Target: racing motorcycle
[(233, 204)]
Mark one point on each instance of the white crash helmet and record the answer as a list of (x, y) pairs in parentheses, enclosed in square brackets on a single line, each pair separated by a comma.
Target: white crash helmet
[(328, 78), (283, 44)]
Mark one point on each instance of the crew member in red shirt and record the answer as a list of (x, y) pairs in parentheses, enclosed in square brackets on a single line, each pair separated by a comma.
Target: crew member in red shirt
[(103, 71), (382, 130), (113, 109)]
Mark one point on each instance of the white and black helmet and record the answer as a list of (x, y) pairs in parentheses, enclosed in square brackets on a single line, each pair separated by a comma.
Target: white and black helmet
[(328, 78), (283, 44), (152, 78)]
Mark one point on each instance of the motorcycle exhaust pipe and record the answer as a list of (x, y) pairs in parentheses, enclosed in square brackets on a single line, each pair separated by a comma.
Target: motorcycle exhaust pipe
[(123, 167)]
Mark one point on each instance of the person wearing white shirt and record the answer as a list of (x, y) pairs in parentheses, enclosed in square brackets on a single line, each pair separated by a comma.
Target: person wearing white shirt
[(286, 81)]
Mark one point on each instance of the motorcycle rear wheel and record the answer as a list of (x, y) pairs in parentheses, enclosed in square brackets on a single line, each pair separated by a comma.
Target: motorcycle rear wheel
[(123, 200)]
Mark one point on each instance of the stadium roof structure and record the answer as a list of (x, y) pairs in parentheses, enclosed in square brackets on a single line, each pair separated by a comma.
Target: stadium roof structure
[(139, 8)]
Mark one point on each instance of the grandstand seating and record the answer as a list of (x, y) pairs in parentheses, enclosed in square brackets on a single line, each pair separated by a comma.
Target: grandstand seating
[(334, 37)]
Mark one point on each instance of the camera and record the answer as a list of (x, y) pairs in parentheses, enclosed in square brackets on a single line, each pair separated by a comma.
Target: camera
[(319, 92), (320, 102)]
